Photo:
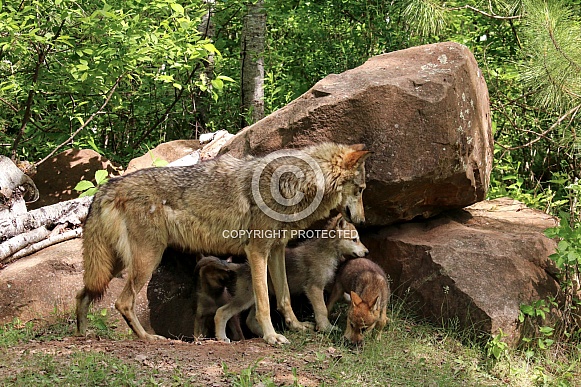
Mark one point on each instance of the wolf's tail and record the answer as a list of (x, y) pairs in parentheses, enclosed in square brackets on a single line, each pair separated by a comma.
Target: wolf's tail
[(105, 247)]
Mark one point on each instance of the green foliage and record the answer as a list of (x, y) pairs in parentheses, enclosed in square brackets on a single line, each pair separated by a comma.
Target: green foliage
[(553, 51), (14, 332), (568, 254), (567, 259), (88, 188), (496, 348), (124, 61)]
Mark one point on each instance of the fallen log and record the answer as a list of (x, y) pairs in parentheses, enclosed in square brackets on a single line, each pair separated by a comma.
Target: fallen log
[(71, 211), (19, 242), (51, 240)]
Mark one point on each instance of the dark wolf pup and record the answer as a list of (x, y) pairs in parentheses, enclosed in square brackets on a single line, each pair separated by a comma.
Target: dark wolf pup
[(133, 218), (214, 278)]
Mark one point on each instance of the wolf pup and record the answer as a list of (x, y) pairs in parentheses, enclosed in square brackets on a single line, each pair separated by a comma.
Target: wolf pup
[(367, 285), (214, 279), (310, 267), (133, 218)]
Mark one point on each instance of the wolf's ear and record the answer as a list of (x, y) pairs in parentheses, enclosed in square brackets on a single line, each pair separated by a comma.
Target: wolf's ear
[(354, 159), (357, 147), (341, 223), (355, 299), (374, 305)]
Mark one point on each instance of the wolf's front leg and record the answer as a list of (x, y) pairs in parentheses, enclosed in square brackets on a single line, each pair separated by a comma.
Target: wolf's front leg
[(276, 268), (257, 256)]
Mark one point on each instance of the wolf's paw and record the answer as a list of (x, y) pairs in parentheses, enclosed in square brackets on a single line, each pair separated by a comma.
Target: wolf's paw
[(149, 337), (307, 325), (328, 327), (276, 339), (223, 339)]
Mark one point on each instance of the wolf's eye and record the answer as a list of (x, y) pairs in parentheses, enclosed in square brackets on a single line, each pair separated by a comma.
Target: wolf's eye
[(354, 240)]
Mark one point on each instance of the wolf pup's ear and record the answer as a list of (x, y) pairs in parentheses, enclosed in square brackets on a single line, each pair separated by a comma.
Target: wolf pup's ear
[(355, 159), (355, 299)]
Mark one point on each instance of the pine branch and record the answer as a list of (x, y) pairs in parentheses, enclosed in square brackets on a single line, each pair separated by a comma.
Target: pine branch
[(490, 15)]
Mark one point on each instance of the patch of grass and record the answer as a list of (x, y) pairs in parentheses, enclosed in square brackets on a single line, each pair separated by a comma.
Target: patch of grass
[(59, 326), (408, 353), (15, 332), (78, 369), (411, 353)]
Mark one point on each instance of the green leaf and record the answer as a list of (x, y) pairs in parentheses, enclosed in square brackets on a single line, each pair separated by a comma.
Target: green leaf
[(225, 78), (83, 185), (217, 84), (101, 176), (89, 192), (527, 309), (177, 8)]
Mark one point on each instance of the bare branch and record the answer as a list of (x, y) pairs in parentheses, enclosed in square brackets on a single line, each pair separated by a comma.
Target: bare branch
[(573, 111), (110, 94)]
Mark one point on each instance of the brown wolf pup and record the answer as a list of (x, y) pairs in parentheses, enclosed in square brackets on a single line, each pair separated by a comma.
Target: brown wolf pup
[(214, 278), (367, 285), (310, 267), (133, 218)]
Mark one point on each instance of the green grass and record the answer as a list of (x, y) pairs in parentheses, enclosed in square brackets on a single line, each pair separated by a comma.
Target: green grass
[(409, 353), (78, 369)]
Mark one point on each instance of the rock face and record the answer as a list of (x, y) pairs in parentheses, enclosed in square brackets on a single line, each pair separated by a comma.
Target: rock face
[(168, 151), (56, 177), (476, 265), (425, 113), (46, 282)]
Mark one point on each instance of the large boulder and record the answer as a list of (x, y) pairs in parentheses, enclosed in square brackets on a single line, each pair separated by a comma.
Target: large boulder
[(57, 177), (474, 266), (425, 113), (45, 283), (167, 151)]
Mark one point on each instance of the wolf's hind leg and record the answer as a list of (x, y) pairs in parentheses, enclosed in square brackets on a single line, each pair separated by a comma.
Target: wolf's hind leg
[(139, 273), (83, 303)]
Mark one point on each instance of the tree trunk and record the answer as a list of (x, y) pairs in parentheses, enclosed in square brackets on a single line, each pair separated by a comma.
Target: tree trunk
[(200, 100), (252, 75)]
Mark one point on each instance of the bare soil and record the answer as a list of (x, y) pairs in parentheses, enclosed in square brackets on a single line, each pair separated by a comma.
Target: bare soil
[(201, 363)]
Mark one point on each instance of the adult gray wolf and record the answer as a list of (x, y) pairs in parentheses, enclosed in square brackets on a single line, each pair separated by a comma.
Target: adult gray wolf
[(367, 285), (133, 218), (214, 282), (310, 267)]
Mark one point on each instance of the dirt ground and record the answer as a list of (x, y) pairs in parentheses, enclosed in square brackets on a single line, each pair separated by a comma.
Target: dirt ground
[(201, 363)]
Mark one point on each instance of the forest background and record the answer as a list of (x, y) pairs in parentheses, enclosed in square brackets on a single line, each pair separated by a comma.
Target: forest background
[(121, 77)]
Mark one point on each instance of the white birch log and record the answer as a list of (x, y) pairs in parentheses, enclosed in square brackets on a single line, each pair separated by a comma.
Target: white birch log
[(71, 211), (51, 240), (12, 245)]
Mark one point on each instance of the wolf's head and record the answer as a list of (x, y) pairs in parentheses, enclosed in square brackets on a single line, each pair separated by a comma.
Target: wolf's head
[(352, 170), (361, 318), (347, 238)]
